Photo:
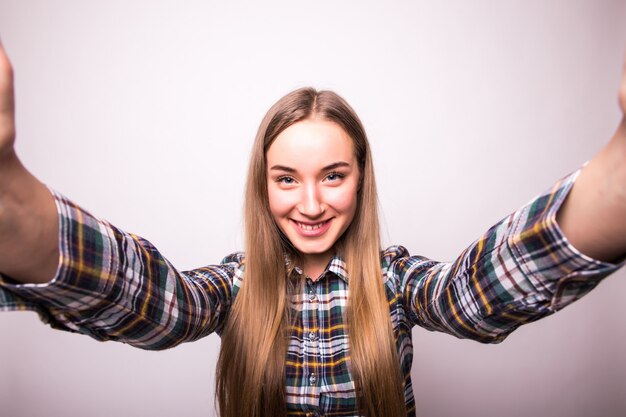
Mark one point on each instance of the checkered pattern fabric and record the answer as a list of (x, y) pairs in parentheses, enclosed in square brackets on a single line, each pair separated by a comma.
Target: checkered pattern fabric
[(113, 285)]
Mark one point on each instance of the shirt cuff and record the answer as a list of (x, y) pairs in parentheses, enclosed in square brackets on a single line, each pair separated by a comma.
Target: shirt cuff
[(552, 264), (86, 260)]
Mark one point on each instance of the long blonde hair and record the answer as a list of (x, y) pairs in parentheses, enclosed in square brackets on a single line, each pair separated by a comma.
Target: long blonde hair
[(250, 374)]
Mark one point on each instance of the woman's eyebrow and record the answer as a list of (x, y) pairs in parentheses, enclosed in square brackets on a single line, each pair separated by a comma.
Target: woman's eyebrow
[(334, 165), (282, 168)]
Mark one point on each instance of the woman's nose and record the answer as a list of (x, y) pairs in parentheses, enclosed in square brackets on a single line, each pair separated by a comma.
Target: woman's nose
[(311, 204)]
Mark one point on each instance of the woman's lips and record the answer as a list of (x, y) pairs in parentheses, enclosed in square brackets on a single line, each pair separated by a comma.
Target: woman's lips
[(311, 229)]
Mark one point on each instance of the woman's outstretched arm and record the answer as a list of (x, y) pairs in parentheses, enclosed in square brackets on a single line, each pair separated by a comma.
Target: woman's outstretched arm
[(530, 264), (28, 216), (593, 217), (82, 274)]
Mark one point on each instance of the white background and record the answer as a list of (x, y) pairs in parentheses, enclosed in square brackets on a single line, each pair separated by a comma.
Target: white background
[(144, 112)]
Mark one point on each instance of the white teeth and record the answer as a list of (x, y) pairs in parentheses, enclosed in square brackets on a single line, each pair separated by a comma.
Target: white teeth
[(310, 227)]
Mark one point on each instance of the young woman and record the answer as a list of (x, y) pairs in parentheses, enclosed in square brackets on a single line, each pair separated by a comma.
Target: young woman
[(314, 318)]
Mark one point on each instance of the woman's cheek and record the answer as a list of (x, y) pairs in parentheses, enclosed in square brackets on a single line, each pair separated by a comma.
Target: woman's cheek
[(341, 198), (281, 202)]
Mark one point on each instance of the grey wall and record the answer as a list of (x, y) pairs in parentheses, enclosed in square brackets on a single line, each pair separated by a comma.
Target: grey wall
[(144, 113)]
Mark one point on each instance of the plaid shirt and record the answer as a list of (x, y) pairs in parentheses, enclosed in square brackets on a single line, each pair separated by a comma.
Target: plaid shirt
[(112, 285)]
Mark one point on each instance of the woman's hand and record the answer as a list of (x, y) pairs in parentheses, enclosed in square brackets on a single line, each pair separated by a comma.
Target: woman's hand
[(28, 217), (7, 106), (593, 215)]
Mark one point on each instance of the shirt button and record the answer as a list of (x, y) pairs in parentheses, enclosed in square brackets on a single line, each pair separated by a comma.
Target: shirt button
[(313, 336), (312, 379), (311, 295)]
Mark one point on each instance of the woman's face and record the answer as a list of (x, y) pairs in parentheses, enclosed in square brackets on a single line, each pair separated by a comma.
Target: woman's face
[(313, 179)]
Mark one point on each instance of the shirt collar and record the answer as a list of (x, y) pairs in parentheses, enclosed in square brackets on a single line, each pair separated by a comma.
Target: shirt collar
[(336, 265)]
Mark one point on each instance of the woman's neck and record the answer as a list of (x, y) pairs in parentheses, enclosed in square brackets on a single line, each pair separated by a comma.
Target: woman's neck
[(315, 264)]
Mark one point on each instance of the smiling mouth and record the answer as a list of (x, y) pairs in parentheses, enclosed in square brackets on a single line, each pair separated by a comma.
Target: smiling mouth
[(312, 229)]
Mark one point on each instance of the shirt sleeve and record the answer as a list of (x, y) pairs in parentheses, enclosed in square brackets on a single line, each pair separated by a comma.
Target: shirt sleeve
[(522, 269), (113, 285)]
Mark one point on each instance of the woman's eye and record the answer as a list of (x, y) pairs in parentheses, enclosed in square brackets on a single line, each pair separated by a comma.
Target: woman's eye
[(334, 176), (285, 180)]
